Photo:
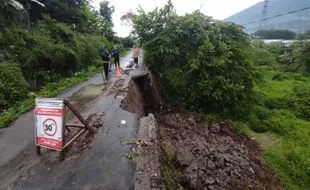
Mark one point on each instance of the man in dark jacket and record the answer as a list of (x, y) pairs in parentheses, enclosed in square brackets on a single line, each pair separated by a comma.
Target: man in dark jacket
[(115, 54), (105, 56)]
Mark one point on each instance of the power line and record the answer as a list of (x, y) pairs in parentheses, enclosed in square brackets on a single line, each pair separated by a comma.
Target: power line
[(288, 13)]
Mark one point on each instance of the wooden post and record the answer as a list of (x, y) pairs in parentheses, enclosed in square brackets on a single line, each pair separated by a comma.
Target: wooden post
[(76, 113), (61, 155), (38, 150), (75, 137), (74, 125)]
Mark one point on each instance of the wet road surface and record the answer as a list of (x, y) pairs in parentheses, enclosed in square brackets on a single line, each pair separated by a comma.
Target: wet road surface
[(103, 166)]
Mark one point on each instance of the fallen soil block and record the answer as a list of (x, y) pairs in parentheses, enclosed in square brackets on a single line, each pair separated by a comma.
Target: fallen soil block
[(215, 157), (193, 155)]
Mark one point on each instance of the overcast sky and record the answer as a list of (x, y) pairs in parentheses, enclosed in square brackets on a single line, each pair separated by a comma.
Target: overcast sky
[(218, 9)]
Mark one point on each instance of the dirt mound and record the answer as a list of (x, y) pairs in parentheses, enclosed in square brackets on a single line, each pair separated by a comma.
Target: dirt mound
[(133, 101), (116, 87), (194, 155), (84, 141), (214, 157)]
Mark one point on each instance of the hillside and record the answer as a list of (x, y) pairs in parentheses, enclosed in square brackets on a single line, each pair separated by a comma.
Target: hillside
[(297, 22)]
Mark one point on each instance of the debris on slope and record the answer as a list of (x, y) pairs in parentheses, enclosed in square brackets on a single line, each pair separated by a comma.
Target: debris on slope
[(214, 157), (194, 155)]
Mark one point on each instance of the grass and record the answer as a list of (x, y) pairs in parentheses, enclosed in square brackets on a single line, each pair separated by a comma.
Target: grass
[(129, 156), (50, 90), (170, 174), (278, 89), (131, 141), (286, 140)]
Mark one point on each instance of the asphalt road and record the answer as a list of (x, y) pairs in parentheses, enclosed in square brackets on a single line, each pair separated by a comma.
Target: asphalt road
[(103, 166)]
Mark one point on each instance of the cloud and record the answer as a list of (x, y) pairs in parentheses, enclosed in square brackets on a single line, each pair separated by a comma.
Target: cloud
[(218, 9)]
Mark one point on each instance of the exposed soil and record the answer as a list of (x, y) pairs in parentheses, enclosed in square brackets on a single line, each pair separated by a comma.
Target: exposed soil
[(116, 87), (215, 156), (133, 101), (27, 163), (208, 157), (85, 140)]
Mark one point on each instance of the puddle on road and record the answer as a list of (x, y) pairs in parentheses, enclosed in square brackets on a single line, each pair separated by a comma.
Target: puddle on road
[(80, 98), (87, 93)]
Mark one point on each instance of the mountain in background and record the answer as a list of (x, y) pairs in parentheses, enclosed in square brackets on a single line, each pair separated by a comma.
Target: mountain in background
[(297, 22)]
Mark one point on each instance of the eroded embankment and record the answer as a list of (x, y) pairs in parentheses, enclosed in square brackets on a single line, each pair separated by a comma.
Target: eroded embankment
[(192, 155)]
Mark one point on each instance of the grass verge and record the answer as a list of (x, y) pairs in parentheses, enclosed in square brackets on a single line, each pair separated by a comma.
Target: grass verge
[(50, 90), (285, 138)]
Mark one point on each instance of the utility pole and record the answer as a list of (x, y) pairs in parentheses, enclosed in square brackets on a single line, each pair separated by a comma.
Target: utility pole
[(264, 14)]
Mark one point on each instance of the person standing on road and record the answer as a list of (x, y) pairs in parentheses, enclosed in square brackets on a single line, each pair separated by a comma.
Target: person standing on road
[(135, 55), (105, 56), (115, 55)]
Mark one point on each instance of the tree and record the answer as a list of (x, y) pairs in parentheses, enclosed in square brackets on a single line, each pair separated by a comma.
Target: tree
[(203, 64), (12, 12), (106, 12), (275, 34), (302, 56), (304, 36)]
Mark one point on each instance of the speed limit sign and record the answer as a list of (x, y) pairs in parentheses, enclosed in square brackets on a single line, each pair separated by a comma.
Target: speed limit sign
[(49, 123)]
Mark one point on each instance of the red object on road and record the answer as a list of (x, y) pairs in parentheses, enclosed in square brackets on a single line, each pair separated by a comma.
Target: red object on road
[(118, 72)]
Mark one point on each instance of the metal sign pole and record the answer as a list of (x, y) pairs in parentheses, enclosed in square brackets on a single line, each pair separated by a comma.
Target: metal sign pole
[(61, 153)]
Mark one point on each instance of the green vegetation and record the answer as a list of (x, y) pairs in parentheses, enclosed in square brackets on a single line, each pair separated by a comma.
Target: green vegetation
[(274, 34), (210, 66), (283, 114), (129, 156), (304, 36), (280, 119), (170, 174), (131, 141), (44, 49), (50, 90), (194, 59)]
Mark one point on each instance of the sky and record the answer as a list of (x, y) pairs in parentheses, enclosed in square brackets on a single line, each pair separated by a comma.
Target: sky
[(218, 9)]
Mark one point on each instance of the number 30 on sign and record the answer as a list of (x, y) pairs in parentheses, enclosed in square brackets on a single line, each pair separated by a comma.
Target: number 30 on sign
[(49, 123)]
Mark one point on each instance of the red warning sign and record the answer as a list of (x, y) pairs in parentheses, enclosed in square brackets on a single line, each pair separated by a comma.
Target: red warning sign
[(50, 127), (49, 118)]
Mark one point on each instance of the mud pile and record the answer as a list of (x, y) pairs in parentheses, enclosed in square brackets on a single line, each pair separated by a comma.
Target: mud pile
[(214, 157), (208, 157), (195, 155), (133, 101), (86, 140)]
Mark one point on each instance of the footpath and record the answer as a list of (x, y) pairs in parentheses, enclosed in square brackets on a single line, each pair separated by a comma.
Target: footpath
[(100, 166)]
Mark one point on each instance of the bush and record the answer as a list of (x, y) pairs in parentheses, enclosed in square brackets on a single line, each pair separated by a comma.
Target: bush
[(39, 55), (302, 56), (262, 57), (257, 116), (50, 50), (221, 76), (205, 67), (275, 103), (13, 86), (275, 34), (280, 77), (290, 156), (128, 42), (298, 100), (89, 49)]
